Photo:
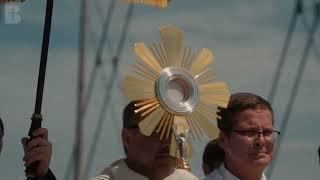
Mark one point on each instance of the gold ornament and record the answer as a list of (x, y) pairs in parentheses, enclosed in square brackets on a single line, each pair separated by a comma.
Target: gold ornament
[(157, 3), (174, 86)]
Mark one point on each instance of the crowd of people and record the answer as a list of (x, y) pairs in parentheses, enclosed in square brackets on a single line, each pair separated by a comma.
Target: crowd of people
[(243, 149)]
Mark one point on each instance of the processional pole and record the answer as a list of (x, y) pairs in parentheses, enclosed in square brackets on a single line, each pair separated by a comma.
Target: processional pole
[(36, 118), (295, 88), (80, 97)]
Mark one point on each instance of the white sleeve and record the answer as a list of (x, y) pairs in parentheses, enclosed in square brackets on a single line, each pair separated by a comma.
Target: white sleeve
[(105, 175), (102, 177)]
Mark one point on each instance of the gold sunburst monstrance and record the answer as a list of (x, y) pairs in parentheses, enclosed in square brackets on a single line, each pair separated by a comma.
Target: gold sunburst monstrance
[(174, 87)]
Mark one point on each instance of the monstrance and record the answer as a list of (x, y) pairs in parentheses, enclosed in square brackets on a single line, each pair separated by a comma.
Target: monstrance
[(175, 90)]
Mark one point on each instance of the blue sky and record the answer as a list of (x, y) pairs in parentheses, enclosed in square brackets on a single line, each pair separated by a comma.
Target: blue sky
[(245, 36)]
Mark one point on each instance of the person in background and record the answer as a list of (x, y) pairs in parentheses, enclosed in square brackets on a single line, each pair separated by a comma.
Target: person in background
[(213, 157)]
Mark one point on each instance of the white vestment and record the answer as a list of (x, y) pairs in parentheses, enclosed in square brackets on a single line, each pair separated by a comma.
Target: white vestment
[(119, 170), (223, 174)]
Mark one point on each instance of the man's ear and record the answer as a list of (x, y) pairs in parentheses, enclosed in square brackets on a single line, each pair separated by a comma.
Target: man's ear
[(126, 138), (206, 169), (222, 140)]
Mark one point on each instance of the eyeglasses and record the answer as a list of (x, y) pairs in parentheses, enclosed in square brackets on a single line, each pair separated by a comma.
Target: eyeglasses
[(254, 134)]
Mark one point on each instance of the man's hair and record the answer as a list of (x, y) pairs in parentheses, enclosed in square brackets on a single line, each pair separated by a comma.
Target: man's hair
[(129, 117), (319, 154), (212, 153), (1, 126), (239, 102)]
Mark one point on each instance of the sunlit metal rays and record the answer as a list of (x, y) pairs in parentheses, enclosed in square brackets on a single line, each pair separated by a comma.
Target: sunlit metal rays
[(188, 70), (159, 53), (146, 57), (202, 62), (151, 121), (214, 93), (187, 58), (137, 88), (172, 38), (205, 76), (205, 124), (156, 3)]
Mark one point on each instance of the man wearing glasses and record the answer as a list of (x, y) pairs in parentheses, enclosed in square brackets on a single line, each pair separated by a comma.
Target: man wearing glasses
[(247, 136)]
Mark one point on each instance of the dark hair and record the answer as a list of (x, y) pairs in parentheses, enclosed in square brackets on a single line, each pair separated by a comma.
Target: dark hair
[(129, 117), (212, 153), (1, 126), (239, 102)]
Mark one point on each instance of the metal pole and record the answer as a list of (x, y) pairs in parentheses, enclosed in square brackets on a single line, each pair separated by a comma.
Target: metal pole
[(37, 117), (295, 88), (80, 103), (275, 82)]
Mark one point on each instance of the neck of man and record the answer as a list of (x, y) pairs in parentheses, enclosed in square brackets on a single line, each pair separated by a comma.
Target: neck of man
[(151, 172), (159, 173), (140, 169), (244, 172)]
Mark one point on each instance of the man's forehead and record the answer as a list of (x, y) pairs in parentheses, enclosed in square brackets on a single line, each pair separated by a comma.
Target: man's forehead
[(254, 116)]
